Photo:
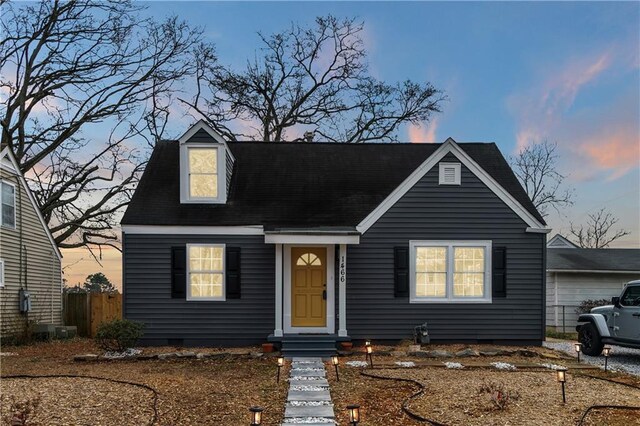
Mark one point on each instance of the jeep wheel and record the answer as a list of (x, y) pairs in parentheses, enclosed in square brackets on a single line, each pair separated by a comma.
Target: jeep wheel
[(590, 339)]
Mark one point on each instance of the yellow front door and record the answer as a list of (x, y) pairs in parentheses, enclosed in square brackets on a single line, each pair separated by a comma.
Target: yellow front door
[(308, 286)]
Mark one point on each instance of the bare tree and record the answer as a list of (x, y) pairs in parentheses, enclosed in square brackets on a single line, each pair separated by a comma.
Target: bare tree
[(79, 66), (536, 167), (315, 79), (597, 232)]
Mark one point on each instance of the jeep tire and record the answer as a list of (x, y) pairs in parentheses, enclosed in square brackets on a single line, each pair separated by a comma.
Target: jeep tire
[(590, 338)]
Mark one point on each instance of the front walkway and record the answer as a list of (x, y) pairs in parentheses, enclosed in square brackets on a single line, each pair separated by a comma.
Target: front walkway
[(309, 400)]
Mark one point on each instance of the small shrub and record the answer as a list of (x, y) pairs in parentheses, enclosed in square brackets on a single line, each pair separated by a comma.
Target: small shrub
[(498, 393), (586, 305), (118, 335)]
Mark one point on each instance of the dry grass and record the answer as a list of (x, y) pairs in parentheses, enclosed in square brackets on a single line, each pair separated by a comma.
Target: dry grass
[(452, 397), (190, 392)]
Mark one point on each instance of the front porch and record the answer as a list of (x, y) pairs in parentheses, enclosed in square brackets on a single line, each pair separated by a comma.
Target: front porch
[(306, 271)]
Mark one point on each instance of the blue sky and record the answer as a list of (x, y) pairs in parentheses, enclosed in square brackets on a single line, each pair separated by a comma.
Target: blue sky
[(566, 71)]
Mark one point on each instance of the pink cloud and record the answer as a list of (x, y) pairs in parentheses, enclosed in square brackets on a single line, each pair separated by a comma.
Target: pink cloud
[(426, 133), (616, 152)]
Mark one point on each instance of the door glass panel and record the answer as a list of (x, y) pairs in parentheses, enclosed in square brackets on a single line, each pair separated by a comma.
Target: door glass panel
[(309, 259)]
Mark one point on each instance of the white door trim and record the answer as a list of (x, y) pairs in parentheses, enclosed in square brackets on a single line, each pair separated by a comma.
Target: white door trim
[(330, 327)]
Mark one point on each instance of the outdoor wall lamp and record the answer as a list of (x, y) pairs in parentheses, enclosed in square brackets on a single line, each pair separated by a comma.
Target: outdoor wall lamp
[(606, 351), (562, 378), (256, 416), (335, 361), (354, 414), (280, 365), (578, 348)]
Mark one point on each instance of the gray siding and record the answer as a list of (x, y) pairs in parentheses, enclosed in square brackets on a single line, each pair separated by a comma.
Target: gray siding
[(147, 293), (430, 211)]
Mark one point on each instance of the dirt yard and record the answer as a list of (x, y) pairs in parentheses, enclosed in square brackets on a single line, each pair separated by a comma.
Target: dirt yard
[(189, 392)]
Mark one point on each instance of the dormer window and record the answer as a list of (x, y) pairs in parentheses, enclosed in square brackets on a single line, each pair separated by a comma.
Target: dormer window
[(206, 165), (203, 173)]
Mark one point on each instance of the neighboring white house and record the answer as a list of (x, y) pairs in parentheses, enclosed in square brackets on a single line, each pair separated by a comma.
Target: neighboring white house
[(576, 274)]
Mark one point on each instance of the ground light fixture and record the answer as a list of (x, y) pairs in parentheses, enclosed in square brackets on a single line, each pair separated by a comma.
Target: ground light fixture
[(562, 378), (335, 362), (578, 348), (606, 351), (280, 365), (369, 354), (354, 414), (256, 416)]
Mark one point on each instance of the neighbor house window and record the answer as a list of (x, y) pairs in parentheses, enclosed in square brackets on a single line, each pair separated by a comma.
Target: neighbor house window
[(8, 196), (203, 173), (205, 272), (450, 271), (1, 273)]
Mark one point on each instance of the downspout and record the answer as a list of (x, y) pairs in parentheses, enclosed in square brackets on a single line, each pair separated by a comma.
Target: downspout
[(51, 285), (543, 240)]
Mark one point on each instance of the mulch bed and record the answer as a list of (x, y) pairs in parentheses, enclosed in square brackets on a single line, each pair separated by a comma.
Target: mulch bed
[(190, 392)]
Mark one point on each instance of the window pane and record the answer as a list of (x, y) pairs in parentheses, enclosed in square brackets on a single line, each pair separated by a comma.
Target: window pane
[(203, 160), (431, 284), (469, 259), (8, 216), (8, 197), (206, 285), (203, 186), (431, 259), (468, 284), (206, 258)]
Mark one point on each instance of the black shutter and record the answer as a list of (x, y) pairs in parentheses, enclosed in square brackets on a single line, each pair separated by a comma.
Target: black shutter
[(401, 271), (499, 278), (179, 272), (232, 273)]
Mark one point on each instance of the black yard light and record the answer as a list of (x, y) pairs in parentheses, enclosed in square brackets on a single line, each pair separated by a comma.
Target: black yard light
[(280, 365), (562, 378), (578, 348), (256, 416), (369, 354), (335, 361), (354, 414), (367, 342), (606, 351)]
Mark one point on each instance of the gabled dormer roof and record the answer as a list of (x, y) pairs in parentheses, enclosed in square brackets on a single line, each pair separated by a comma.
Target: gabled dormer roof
[(558, 241), (313, 184)]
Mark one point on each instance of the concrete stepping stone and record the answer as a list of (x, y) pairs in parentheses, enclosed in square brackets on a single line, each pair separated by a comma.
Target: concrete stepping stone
[(309, 395), (309, 411)]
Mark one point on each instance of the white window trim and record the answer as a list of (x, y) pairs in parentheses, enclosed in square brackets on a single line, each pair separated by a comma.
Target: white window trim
[(458, 170), (185, 194), (449, 298), (1, 273), (223, 271), (15, 207)]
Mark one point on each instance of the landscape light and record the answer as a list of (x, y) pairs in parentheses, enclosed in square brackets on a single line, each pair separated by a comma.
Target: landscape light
[(335, 362), (280, 364), (367, 342), (256, 416), (606, 352), (562, 378), (578, 348), (354, 414), (369, 354)]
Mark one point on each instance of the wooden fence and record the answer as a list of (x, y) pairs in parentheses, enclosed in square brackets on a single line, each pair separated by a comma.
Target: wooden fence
[(88, 310)]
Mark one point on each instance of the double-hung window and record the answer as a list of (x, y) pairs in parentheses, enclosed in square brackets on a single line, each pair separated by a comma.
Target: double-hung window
[(203, 173), (450, 271), (1, 273), (8, 205), (205, 263)]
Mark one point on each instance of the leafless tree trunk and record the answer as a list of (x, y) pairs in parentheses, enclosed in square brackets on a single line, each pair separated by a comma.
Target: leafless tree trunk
[(536, 167), (597, 232), (315, 79), (76, 68)]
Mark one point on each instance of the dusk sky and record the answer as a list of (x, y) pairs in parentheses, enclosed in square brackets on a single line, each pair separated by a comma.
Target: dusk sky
[(513, 72)]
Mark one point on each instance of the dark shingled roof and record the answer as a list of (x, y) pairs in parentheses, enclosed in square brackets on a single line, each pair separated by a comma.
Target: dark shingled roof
[(299, 185), (580, 259)]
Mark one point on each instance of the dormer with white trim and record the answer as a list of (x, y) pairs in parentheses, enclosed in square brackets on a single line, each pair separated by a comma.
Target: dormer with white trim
[(206, 165)]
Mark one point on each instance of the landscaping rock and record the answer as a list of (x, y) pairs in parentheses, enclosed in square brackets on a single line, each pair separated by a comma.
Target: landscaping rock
[(527, 353), (146, 357), (495, 351), (186, 354), (467, 353), (399, 354), (169, 355), (257, 355), (418, 354), (439, 354), (85, 357)]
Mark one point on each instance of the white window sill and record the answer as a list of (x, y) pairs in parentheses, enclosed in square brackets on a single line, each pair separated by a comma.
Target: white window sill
[(449, 301)]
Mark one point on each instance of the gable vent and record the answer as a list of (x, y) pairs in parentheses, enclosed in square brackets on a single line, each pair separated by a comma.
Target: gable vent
[(449, 174)]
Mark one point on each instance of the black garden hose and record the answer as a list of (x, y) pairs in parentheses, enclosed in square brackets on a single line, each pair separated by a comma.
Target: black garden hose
[(75, 376), (405, 403)]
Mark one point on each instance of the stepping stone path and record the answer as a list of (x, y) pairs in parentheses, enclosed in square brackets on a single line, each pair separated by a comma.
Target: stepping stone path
[(309, 400)]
